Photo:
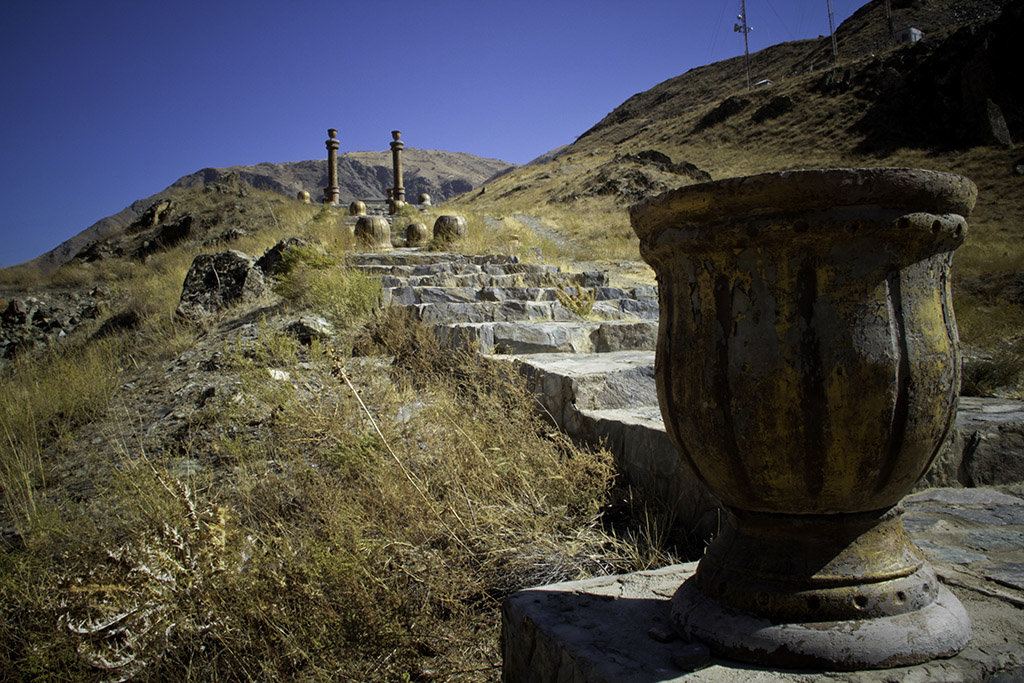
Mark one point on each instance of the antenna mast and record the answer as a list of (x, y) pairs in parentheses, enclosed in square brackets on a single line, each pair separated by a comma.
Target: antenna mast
[(832, 32), (744, 29), (888, 19)]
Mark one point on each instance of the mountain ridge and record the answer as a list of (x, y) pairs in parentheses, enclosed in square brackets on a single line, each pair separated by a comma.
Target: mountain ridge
[(361, 175)]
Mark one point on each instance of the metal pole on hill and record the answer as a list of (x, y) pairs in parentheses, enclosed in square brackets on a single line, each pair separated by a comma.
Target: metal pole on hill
[(832, 32), (744, 29), (888, 19)]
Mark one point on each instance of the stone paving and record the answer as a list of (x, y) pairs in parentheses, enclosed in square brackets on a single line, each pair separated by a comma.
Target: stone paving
[(594, 376), (616, 628)]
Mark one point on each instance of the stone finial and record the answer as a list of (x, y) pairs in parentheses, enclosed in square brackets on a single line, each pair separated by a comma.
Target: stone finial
[(807, 368), (416, 234), (303, 196), (424, 199), (331, 192), (374, 233), (448, 229), (357, 208)]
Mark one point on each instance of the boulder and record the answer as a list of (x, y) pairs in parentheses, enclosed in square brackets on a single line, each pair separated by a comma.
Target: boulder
[(125, 320), (270, 262), (994, 129), (775, 107), (216, 281), (166, 236), (729, 107), (152, 217), (310, 327)]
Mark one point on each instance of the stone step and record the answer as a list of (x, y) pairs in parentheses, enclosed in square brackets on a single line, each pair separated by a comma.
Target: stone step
[(552, 337), (514, 310), (411, 296), (418, 257), (481, 279), (611, 399), (567, 383), (456, 267)]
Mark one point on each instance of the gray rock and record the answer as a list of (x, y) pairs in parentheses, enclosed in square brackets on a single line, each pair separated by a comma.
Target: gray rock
[(1009, 574), (310, 327), (994, 128), (994, 539), (998, 515), (949, 554), (216, 281), (958, 497), (995, 455), (270, 262)]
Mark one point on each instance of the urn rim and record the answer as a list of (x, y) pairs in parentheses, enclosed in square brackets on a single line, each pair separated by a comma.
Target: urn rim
[(804, 190)]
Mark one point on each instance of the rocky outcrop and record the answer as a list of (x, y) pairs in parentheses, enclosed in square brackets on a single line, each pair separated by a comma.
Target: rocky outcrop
[(216, 281), (361, 175), (270, 262), (31, 322), (631, 177)]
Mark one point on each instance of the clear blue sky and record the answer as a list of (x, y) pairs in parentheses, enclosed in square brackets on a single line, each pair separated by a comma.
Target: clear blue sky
[(105, 102)]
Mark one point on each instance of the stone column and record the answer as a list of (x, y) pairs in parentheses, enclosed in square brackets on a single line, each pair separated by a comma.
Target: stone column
[(807, 369), (396, 157), (331, 192)]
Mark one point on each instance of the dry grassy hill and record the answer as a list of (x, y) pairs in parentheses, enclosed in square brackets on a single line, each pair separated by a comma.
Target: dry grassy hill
[(922, 105), (361, 175)]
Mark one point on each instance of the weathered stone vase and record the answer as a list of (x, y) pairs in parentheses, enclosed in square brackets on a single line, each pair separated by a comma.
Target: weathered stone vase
[(416, 235), (373, 232), (448, 229), (808, 370)]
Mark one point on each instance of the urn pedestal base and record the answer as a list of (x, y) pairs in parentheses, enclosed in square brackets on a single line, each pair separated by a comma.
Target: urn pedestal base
[(845, 591), (939, 630)]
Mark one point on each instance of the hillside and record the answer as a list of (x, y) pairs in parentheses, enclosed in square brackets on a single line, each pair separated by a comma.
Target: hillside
[(938, 103), (293, 483), (361, 175)]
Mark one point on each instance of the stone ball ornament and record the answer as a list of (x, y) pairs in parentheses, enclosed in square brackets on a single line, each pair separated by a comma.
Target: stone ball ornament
[(808, 369), (416, 235), (448, 229)]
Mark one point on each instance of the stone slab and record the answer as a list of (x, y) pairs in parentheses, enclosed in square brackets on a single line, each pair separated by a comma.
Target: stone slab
[(992, 434), (521, 338)]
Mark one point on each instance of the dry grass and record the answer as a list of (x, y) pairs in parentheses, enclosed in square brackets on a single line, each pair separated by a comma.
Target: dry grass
[(360, 520), (368, 534)]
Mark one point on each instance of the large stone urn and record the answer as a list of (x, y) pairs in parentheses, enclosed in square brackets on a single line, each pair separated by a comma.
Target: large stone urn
[(373, 232), (808, 370), (449, 229)]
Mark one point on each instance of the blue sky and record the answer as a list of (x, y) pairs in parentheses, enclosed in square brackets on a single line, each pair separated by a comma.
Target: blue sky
[(107, 102)]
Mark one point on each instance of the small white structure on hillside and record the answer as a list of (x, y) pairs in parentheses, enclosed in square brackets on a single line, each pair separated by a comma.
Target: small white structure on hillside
[(908, 35)]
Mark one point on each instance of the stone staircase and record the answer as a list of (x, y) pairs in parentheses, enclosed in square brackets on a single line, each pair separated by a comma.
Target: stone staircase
[(594, 374)]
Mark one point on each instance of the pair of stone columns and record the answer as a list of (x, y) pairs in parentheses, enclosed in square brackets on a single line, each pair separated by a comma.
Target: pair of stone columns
[(332, 192)]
